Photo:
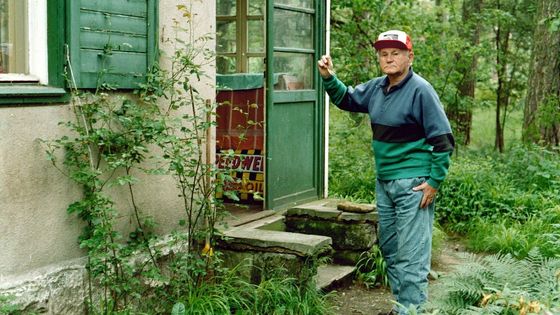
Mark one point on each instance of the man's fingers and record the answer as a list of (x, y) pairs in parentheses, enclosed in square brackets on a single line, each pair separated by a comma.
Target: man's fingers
[(326, 61), (420, 187), (424, 202)]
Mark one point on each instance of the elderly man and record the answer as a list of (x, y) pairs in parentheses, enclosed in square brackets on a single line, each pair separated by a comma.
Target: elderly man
[(412, 142)]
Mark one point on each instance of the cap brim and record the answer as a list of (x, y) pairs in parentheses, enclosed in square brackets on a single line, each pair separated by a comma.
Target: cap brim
[(388, 43)]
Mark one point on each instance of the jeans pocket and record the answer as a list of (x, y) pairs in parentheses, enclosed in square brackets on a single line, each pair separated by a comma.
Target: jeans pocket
[(406, 184)]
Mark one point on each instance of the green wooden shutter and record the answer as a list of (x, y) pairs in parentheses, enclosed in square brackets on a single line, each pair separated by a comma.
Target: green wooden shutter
[(111, 41)]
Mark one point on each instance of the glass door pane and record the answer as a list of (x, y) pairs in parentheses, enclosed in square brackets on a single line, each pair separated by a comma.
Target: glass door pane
[(294, 71), (256, 7), (306, 4), (293, 47), (293, 29)]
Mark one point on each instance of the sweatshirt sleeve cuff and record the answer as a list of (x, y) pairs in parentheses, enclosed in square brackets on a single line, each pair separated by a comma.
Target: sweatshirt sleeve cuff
[(329, 79), (433, 183)]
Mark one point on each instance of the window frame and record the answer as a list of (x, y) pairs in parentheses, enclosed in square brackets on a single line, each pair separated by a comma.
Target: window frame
[(54, 92)]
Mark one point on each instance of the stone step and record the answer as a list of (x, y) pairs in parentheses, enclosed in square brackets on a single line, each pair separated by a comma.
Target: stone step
[(327, 209), (274, 222), (232, 222), (332, 276), (303, 245)]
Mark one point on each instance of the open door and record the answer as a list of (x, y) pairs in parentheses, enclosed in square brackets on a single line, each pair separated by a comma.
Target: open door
[(294, 132)]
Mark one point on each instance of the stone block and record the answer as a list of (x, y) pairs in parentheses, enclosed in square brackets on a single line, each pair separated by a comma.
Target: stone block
[(59, 289), (255, 266), (347, 257), (359, 236)]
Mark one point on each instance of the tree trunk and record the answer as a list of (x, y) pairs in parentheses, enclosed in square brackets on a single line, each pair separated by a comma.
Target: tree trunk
[(471, 34), (541, 121), (503, 34)]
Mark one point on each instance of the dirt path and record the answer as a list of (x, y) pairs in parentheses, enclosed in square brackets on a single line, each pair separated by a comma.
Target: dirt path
[(357, 299)]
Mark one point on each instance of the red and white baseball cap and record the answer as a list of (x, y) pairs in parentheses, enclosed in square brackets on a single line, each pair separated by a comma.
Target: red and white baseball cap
[(393, 39)]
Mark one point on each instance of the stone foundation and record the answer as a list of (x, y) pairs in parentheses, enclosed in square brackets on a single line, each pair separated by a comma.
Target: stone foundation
[(58, 289)]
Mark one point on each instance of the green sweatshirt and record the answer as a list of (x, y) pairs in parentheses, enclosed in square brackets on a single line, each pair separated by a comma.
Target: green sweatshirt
[(411, 134)]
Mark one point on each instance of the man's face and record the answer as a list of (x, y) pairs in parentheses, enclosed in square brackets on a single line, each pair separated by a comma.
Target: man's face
[(395, 61)]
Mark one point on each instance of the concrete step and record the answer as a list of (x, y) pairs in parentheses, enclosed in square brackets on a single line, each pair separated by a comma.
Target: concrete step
[(331, 276)]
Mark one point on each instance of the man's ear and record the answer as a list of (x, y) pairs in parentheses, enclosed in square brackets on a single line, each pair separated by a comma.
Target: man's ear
[(411, 57)]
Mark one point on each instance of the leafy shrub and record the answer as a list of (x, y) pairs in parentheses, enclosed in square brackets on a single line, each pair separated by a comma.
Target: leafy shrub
[(517, 186), (7, 305), (518, 238)]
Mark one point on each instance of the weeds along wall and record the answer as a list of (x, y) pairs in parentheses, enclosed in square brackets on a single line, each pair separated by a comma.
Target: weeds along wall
[(36, 230)]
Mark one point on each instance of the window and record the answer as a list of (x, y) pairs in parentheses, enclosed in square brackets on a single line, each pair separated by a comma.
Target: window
[(21, 57), (40, 39), (240, 42)]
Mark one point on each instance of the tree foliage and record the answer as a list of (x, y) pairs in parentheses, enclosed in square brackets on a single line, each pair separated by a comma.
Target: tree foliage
[(474, 52)]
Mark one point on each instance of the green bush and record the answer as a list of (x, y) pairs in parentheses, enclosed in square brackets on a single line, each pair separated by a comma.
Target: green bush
[(7, 305), (518, 238), (372, 268), (515, 186)]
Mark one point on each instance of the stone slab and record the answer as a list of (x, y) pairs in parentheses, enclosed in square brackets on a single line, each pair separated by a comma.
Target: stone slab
[(327, 210), (330, 276), (314, 211), (359, 217), (272, 223), (295, 243), (348, 206)]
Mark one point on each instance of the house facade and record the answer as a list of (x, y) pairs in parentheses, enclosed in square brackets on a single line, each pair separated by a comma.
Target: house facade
[(270, 47)]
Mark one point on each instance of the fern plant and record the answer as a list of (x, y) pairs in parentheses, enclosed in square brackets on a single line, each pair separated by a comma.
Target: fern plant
[(500, 284)]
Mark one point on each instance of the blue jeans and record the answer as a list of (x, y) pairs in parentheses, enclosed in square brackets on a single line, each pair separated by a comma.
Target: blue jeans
[(405, 238)]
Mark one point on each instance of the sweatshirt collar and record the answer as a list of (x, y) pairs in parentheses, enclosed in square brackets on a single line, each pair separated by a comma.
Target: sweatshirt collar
[(385, 81)]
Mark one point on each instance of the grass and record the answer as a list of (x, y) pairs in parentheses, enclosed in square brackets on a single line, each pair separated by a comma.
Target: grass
[(483, 128)]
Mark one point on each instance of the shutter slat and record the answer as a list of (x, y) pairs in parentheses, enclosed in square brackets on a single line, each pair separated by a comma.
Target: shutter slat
[(117, 41), (117, 62), (125, 7), (98, 21)]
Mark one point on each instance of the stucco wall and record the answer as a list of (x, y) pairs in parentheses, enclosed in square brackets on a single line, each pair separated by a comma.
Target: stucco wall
[(35, 230)]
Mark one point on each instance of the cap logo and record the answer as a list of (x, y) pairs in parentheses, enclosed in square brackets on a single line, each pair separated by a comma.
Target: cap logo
[(391, 36)]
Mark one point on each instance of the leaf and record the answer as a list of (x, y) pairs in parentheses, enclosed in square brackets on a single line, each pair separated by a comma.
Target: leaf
[(178, 309)]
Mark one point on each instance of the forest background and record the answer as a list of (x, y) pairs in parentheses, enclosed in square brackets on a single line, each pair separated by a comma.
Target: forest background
[(496, 67)]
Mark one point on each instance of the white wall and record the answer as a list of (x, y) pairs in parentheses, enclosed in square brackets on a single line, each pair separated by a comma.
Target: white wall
[(35, 230)]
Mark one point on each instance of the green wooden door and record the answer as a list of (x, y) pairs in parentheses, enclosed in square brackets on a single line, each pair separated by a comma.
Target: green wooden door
[(294, 102)]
